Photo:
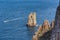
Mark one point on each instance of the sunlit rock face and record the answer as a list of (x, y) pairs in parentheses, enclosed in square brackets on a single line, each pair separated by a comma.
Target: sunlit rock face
[(32, 19), (35, 37), (46, 25), (44, 28)]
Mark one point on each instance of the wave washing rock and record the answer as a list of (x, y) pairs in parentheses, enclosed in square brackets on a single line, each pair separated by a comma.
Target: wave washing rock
[(32, 19), (45, 27)]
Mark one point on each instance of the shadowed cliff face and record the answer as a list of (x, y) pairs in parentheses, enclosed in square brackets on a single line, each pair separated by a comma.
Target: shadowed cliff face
[(57, 19), (58, 11)]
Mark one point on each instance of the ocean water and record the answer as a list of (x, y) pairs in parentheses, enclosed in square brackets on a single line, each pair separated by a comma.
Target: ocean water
[(14, 16)]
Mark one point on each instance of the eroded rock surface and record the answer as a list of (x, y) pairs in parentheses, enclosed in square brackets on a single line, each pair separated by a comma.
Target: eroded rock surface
[(32, 19), (44, 28)]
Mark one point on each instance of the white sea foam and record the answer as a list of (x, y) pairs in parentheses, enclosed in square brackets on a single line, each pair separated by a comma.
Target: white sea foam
[(37, 25), (12, 20), (4, 21)]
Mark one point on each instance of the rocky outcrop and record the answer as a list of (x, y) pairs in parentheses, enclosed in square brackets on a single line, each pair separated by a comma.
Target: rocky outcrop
[(35, 37), (32, 19), (52, 24), (45, 27)]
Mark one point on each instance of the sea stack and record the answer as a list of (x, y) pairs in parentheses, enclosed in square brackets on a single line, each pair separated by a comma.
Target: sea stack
[(32, 19)]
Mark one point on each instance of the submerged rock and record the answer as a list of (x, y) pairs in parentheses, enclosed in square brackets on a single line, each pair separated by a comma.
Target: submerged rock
[(32, 19)]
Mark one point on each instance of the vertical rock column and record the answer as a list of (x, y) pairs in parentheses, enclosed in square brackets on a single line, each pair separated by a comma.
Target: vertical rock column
[(32, 19)]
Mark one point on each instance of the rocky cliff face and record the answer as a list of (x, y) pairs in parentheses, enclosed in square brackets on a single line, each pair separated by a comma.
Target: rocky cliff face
[(45, 27), (32, 19)]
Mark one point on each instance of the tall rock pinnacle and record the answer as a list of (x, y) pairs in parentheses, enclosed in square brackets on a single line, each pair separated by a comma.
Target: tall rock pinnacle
[(32, 19)]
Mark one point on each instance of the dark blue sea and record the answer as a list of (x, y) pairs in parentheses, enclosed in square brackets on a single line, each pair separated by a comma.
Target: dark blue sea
[(14, 16)]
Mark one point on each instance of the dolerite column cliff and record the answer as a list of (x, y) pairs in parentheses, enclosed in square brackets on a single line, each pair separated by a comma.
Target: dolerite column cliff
[(57, 23), (32, 19)]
